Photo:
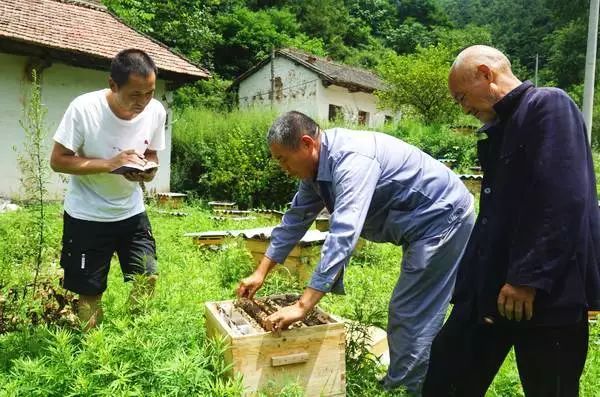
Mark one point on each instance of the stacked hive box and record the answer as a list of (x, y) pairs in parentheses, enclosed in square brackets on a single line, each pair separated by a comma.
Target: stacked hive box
[(312, 357)]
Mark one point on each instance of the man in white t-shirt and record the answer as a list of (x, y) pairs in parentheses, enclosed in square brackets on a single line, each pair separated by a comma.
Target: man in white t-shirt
[(104, 212)]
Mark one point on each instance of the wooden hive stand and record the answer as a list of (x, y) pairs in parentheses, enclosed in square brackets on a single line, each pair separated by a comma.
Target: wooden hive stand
[(222, 205), (301, 261)]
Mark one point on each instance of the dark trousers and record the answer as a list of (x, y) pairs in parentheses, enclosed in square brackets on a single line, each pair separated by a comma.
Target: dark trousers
[(466, 355)]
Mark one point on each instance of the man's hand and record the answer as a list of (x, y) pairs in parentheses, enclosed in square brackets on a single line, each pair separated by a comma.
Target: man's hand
[(142, 176), (282, 319), (249, 285), (516, 301), (126, 157)]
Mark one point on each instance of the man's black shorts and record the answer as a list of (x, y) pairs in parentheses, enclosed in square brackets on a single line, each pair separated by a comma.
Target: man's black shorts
[(88, 247)]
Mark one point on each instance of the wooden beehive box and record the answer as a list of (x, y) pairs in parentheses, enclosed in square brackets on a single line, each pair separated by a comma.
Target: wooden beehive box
[(170, 199), (312, 357), (472, 182), (301, 261), (322, 224)]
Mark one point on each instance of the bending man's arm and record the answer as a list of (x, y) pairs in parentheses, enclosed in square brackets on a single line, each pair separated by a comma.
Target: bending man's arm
[(306, 205), (355, 178)]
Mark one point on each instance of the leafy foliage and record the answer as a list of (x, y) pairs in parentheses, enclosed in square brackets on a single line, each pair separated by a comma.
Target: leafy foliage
[(439, 141), (230, 36), (164, 351), (419, 82), (225, 157)]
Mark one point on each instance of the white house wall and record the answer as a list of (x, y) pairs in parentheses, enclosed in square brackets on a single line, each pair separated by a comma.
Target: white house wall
[(351, 103), (302, 90), (60, 85), (298, 89)]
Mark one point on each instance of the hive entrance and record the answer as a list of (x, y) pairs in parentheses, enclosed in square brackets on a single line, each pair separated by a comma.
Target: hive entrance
[(247, 317)]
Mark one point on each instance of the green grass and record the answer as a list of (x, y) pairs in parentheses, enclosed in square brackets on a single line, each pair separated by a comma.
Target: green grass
[(164, 351)]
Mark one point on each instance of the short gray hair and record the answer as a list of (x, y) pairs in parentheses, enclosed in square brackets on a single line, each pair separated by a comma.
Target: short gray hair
[(287, 130)]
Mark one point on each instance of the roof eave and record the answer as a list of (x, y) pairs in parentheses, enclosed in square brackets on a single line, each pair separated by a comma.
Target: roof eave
[(177, 54), (81, 59), (247, 73)]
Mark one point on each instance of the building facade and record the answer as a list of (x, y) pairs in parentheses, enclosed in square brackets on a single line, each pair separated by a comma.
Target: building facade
[(70, 44), (292, 80)]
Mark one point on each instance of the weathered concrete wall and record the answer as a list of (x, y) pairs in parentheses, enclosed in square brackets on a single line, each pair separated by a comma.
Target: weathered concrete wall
[(295, 88)]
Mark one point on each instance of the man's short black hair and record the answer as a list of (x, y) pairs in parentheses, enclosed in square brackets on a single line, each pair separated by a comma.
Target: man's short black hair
[(289, 128), (131, 61)]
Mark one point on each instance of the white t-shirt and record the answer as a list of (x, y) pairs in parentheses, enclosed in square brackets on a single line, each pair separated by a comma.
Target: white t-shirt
[(90, 129)]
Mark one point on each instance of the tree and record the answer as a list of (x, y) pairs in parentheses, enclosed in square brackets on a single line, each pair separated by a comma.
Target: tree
[(419, 82), (411, 34), (566, 49), (183, 25), (246, 37)]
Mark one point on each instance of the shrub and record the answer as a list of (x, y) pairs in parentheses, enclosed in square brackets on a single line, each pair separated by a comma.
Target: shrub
[(224, 156), (439, 142)]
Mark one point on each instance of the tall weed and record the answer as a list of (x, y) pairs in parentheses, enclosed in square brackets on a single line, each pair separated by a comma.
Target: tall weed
[(224, 156)]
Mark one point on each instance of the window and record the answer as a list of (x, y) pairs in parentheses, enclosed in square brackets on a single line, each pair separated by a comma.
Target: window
[(335, 113), (363, 117)]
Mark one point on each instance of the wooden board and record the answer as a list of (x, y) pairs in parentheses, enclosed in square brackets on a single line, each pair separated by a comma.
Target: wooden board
[(312, 357), (300, 262)]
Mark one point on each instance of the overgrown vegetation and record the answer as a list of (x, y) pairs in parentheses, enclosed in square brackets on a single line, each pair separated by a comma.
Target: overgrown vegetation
[(164, 351), (29, 241), (34, 169), (230, 36), (224, 156)]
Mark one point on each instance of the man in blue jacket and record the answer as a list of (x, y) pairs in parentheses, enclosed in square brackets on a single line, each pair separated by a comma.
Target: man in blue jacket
[(531, 269), (379, 187)]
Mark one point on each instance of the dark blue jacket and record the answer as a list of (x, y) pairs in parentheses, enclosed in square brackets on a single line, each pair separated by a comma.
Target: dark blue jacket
[(539, 222)]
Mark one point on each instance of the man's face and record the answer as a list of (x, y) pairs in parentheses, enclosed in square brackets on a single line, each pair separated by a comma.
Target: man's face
[(475, 95), (301, 162), (133, 96)]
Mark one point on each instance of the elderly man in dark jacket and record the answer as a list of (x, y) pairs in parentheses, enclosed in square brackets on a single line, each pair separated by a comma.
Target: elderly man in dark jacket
[(531, 268)]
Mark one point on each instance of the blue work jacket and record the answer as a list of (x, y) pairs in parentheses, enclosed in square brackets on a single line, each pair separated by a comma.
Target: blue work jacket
[(375, 186)]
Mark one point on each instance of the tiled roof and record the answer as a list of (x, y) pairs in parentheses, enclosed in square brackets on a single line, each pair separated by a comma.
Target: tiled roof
[(333, 73), (87, 29)]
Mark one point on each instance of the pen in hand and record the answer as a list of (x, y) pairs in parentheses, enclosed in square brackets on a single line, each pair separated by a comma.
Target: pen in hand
[(140, 156)]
